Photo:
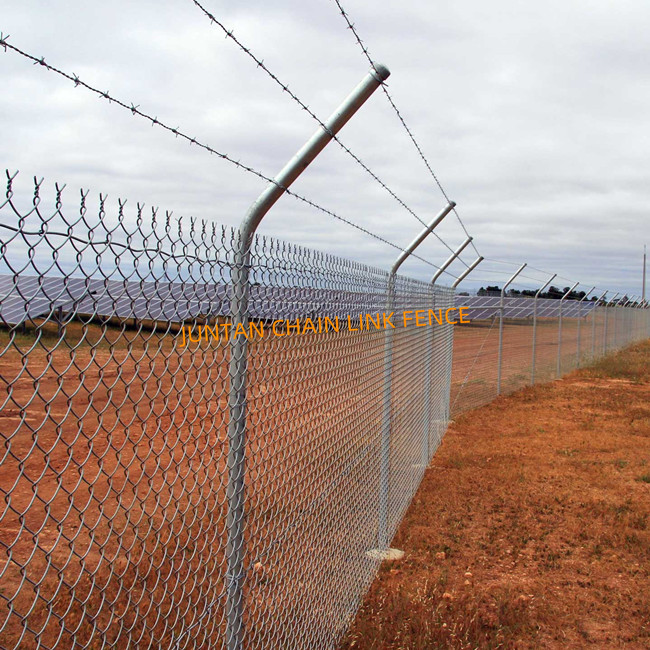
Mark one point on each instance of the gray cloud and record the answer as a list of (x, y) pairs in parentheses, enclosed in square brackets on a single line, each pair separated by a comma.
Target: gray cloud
[(533, 115)]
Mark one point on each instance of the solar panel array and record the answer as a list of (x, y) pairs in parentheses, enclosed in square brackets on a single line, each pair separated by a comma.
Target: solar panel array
[(486, 307), (24, 298)]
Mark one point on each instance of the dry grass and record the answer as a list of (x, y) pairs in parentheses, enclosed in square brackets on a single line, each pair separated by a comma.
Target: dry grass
[(531, 528)]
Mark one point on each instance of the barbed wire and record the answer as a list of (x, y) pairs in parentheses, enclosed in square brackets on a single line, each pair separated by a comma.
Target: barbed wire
[(498, 272), (135, 110), (537, 281), (366, 53), (285, 88), (528, 266), (520, 276)]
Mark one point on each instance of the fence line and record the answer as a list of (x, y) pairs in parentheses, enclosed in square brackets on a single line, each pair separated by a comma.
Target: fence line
[(168, 484), (115, 471), (115, 474), (537, 349)]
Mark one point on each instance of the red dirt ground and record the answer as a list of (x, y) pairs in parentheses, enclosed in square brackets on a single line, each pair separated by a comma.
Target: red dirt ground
[(531, 526), (127, 448)]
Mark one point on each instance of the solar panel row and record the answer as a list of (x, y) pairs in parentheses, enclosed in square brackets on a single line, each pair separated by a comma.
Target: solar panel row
[(483, 307), (23, 298)]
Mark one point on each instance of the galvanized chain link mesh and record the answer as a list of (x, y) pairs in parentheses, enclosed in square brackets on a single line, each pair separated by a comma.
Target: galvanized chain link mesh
[(115, 480)]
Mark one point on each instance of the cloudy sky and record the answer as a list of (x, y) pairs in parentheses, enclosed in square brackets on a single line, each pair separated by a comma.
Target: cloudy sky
[(535, 117)]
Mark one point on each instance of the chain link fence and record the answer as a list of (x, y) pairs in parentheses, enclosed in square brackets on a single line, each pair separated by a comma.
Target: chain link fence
[(536, 347), (120, 524), (132, 517)]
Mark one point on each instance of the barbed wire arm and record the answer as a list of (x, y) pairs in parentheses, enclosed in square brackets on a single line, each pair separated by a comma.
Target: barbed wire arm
[(237, 399), (467, 271), (450, 259)]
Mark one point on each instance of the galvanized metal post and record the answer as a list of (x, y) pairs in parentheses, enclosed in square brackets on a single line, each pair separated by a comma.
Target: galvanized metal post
[(593, 326), (627, 321), (450, 259), (532, 374), (431, 345), (467, 271), (384, 468), (639, 320), (448, 368), (428, 385), (237, 399), (559, 332), (501, 309), (607, 304), (615, 327), (614, 304), (579, 319)]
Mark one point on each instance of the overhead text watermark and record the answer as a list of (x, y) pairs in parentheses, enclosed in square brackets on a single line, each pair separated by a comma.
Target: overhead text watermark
[(323, 324)]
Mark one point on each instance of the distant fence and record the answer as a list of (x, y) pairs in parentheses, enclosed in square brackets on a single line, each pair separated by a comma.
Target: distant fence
[(537, 344), (132, 515)]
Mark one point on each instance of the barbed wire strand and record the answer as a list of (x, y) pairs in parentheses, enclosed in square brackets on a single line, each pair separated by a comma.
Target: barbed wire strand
[(135, 110), (532, 268), (366, 53), (519, 277), (483, 271), (285, 88)]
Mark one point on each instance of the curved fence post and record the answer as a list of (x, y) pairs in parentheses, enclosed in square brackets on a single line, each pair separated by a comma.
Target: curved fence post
[(237, 399), (384, 468), (431, 345), (559, 331), (532, 372), (501, 308), (607, 304), (593, 326), (579, 319)]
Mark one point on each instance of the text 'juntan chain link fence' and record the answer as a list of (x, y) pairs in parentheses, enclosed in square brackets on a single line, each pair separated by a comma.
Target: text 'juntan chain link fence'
[(115, 526)]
